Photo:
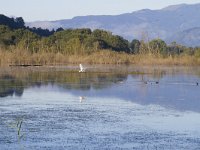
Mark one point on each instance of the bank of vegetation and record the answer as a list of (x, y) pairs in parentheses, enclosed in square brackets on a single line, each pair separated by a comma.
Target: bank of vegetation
[(21, 45)]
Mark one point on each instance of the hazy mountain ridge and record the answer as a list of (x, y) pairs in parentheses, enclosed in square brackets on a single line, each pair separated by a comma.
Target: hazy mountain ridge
[(190, 37), (167, 23)]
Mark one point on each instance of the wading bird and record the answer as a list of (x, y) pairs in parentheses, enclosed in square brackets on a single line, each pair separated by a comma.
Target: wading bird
[(81, 98), (82, 69)]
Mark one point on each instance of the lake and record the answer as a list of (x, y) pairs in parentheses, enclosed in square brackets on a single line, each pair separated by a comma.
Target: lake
[(106, 107)]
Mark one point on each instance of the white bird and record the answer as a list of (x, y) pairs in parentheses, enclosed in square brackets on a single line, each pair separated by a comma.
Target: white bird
[(81, 98), (82, 69)]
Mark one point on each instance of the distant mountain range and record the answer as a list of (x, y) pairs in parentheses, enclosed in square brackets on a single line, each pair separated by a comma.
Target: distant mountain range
[(180, 23)]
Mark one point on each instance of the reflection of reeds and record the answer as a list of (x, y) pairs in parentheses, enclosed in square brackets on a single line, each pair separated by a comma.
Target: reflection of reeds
[(21, 57), (18, 79), (13, 80)]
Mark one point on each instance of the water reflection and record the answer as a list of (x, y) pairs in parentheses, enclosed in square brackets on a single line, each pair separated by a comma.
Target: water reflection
[(10, 86), (14, 83), (168, 88), (112, 110)]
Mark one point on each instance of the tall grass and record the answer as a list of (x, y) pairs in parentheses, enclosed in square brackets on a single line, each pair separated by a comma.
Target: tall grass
[(24, 57)]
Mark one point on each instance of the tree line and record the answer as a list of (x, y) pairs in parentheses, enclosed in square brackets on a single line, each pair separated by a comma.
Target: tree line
[(15, 35)]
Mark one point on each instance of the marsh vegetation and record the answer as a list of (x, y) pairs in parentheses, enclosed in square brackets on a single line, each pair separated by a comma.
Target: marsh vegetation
[(20, 45)]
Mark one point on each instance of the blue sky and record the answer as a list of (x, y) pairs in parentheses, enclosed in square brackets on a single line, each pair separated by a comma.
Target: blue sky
[(32, 10)]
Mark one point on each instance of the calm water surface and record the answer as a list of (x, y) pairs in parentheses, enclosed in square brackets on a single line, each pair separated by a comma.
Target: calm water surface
[(123, 108)]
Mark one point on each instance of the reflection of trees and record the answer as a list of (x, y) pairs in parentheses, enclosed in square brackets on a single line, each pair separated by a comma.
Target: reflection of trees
[(158, 74), (10, 86), (75, 80), (14, 83), (106, 80), (151, 75), (83, 81)]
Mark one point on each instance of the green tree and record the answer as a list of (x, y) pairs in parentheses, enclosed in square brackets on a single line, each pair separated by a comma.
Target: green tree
[(175, 49), (158, 46), (135, 46), (197, 52), (118, 43), (7, 37), (26, 39), (20, 22)]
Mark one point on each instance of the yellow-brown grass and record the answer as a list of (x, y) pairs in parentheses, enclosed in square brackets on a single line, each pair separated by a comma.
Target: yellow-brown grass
[(23, 57), (149, 59)]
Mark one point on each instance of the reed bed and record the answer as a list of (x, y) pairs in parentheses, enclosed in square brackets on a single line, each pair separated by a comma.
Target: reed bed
[(24, 57)]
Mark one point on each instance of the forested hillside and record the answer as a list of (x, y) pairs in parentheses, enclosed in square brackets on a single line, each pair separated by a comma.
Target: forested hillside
[(167, 23), (18, 39)]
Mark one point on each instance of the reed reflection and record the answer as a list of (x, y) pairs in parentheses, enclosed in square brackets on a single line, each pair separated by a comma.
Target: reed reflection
[(10, 86), (169, 89), (15, 83)]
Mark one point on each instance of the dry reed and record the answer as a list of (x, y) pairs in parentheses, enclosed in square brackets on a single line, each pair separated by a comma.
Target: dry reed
[(23, 57)]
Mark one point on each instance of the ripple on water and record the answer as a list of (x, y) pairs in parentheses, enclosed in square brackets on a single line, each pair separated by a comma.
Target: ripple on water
[(125, 115)]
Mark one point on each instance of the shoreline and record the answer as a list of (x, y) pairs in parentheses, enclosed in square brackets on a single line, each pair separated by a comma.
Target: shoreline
[(104, 68)]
